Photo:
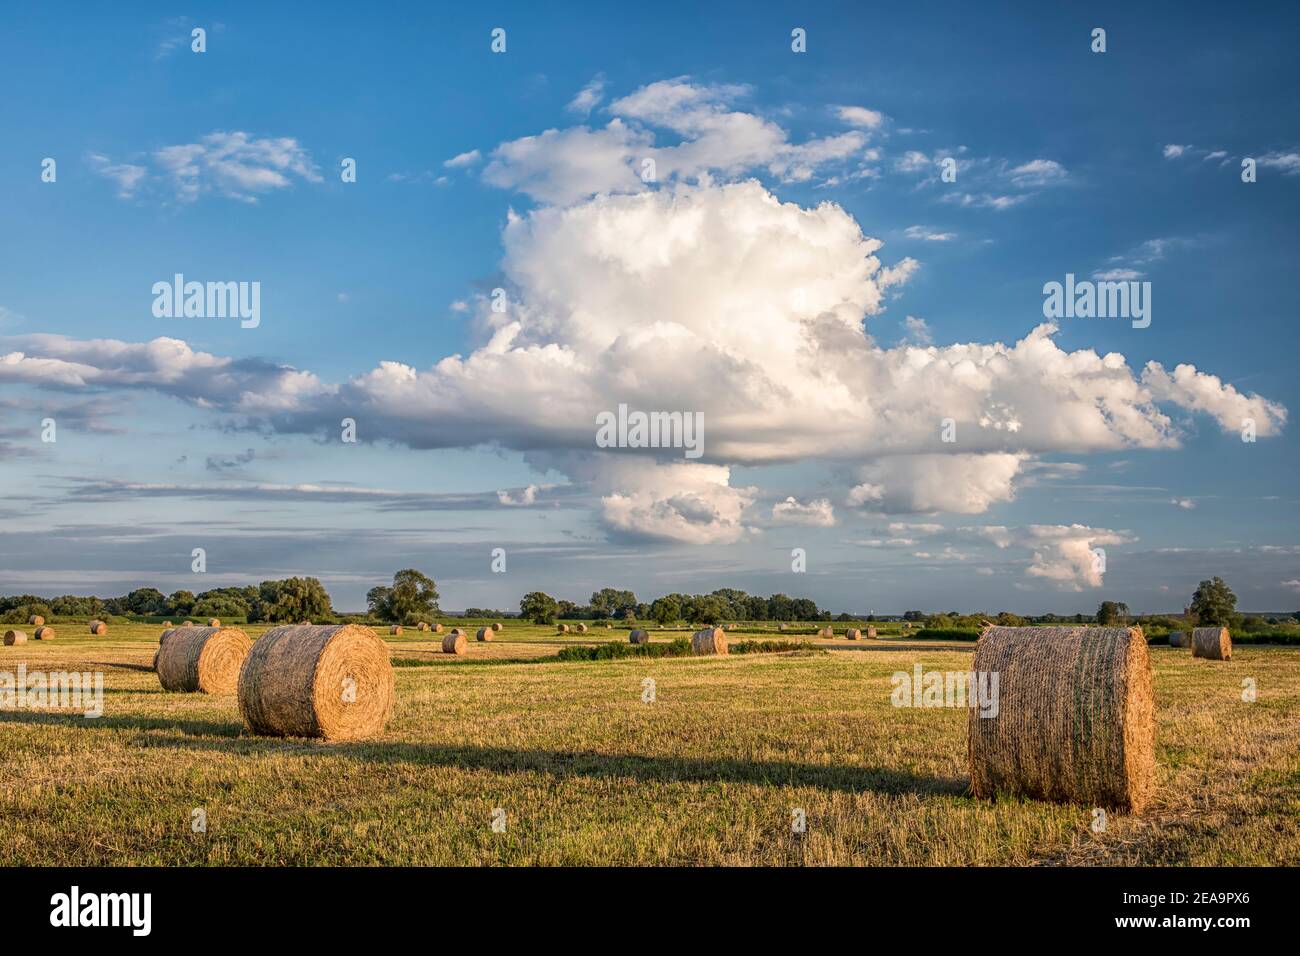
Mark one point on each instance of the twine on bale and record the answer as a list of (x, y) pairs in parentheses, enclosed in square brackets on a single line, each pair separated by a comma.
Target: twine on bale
[(44, 633), (638, 637), (333, 681), (455, 643), (485, 634), (711, 640), (15, 637), (1212, 643), (203, 660), (98, 628), (1074, 717)]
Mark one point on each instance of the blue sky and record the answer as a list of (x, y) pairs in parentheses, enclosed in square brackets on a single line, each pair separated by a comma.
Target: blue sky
[(224, 165)]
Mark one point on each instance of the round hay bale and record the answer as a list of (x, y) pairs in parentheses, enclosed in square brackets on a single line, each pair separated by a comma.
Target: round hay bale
[(333, 681), (455, 643), (214, 622), (496, 625), (485, 634), (203, 660), (167, 624), (853, 634), (422, 627), (1212, 643), (44, 633), (395, 629), (1074, 718), (562, 629), (871, 630), (638, 637), (582, 629), (98, 628), (36, 620), (826, 632), (1178, 639), (437, 628), (711, 640), (783, 626), (15, 637)]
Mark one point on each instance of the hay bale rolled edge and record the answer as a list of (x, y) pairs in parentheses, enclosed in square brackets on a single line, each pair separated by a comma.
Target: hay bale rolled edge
[(204, 660), (1212, 643), (455, 643), (333, 681), (711, 640), (638, 637), (1075, 716), (15, 637)]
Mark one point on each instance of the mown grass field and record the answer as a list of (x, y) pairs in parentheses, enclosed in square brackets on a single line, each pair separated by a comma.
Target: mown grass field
[(587, 773)]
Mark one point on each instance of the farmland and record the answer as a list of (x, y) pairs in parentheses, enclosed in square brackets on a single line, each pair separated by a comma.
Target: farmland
[(578, 767)]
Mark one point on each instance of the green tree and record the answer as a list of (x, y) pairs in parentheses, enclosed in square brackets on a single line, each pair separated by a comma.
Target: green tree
[(666, 610), (293, 599), (180, 603), (146, 601), (538, 607), (1214, 604), (1108, 613)]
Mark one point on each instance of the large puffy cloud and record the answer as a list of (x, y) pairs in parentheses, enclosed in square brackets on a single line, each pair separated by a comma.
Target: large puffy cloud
[(1071, 556), (716, 300)]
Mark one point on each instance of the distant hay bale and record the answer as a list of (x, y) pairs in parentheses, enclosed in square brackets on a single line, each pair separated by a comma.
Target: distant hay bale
[(711, 640), (44, 633), (333, 681), (214, 622), (582, 628), (496, 625), (826, 632), (485, 634), (15, 637), (638, 637), (167, 624), (422, 626), (1212, 643), (853, 634), (437, 628), (562, 628), (395, 629), (455, 643), (1178, 639), (36, 620), (871, 630), (98, 628), (1074, 717), (188, 624), (204, 660), (783, 626)]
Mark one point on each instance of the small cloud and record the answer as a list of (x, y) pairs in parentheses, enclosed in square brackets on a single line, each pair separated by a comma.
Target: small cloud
[(1292, 585), (860, 116), (464, 160), (1118, 275), (917, 331), (818, 513), (926, 234), (1174, 151), (1185, 503), (525, 497), (127, 176), (1037, 172), (588, 97), (218, 463)]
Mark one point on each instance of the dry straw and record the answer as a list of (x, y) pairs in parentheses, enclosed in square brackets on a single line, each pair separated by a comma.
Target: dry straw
[(638, 637), (1074, 719), (711, 640), (1178, 639), (333, 681), (485, 634), (455, 643), (98, 628), (44, 633), (36, 620), (1212, 643), (853, 634), (205, 660), (15, 637)]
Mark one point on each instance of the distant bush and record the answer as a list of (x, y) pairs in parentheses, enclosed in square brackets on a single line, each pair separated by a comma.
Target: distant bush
[(774, 647), (615, 650), (947, 634)]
